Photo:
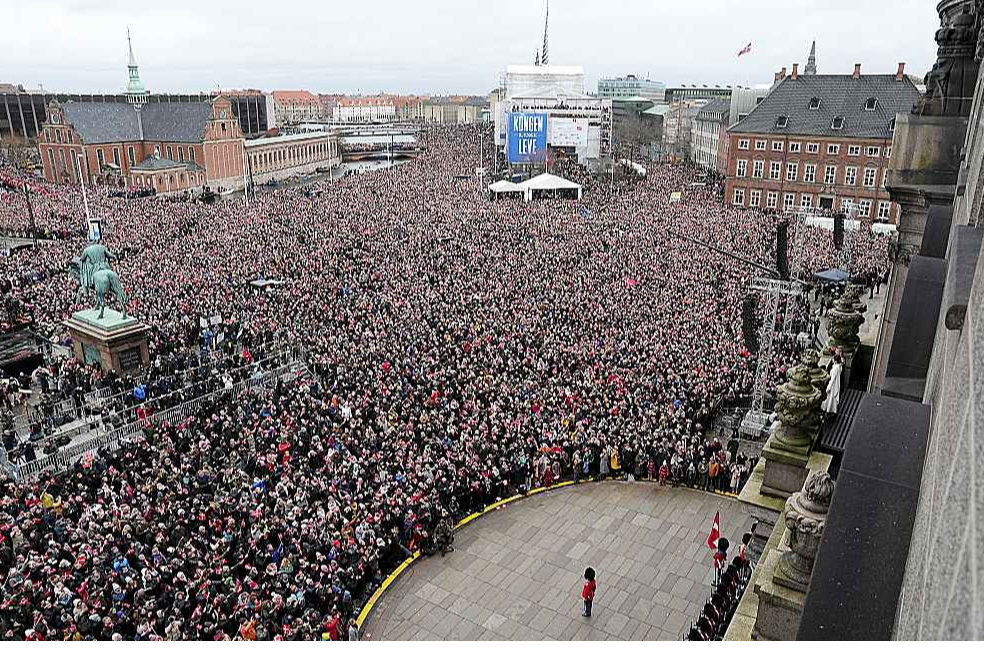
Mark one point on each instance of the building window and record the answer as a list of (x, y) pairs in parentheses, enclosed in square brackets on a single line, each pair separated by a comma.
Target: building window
[(870, 104), (116, 156), (191, 154), (864, 208), (101, 158), (755, 198), (788, 201), (758, 168), (760, 145), (775, 170), (871, 152), (810, 173), (812, 147), (854, 150), (833, 149), (51, 160), (884, 178), (742, 169), (850, 175), (772, 200), (870, 175), (847, 205), (129, 156), (743, 143), (806, 201), (170, 156), (782, 122), (829, 175), (795, 147), (792, 171), (739, 197), (815, 104), (777, 145), (884, 210), (891, 126), (181, 155), (888, 152), (837, 123)]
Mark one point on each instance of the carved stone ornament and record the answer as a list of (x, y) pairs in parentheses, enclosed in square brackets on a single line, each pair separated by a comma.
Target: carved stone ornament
[(797, 399), (805, 516), (818, 377), (843, 325), (950, 84)]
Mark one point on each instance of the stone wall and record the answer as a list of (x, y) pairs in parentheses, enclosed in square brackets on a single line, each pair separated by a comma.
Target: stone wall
[(943, 589)]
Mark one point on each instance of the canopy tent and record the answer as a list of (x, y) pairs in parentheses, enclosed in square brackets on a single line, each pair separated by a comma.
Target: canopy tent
[(832, 276), (548, 183), (505, 187)]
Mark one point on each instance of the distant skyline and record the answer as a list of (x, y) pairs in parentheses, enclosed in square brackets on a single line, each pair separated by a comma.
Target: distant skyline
[(448, 47)]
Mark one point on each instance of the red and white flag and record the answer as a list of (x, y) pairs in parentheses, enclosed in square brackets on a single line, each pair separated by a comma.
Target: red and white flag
[(745, 50), (715, 534)]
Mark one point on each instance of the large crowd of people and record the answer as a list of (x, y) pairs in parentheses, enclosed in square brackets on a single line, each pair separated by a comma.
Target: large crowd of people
[(461, 350)]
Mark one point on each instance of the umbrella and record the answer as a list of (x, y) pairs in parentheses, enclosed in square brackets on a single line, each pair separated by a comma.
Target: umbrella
[(834, 276)]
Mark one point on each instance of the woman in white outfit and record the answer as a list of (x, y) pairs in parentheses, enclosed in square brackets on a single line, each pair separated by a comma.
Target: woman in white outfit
[(830, 404)]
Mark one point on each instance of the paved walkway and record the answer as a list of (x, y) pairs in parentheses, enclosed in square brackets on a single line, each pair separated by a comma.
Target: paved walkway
[(516, 573)]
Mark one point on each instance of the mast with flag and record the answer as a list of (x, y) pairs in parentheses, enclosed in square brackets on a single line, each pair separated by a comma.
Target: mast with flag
[(715, 534), (745, 50)]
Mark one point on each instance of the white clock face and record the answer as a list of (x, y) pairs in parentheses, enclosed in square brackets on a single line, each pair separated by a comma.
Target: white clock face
[(222, 114)]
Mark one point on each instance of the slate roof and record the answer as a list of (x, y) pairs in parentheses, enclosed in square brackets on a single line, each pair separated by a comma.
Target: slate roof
[(152, 164), (715, 109), (176, 121), (840, 96), (104, 122)]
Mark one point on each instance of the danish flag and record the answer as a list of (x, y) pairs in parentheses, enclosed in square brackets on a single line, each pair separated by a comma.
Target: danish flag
[(745, 50), (715, 534)]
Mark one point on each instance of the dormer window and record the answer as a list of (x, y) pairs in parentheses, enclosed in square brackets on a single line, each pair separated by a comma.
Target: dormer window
[(870, 104), (815, 104), (837, 124), (782, 121), (891, 126)]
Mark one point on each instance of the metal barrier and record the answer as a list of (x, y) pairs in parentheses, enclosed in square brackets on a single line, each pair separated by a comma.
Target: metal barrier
[(109, 440)]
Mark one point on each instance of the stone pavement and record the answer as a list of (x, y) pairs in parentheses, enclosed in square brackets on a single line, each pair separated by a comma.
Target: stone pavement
[(517, 573)]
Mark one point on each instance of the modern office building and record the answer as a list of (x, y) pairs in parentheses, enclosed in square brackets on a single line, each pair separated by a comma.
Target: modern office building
[(631, 86)]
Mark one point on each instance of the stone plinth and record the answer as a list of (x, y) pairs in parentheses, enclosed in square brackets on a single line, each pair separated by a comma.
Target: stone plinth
[(779, 608), (115, 342), (785, 469)]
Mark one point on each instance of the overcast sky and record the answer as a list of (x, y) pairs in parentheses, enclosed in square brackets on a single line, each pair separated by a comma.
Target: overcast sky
[(446, 46)]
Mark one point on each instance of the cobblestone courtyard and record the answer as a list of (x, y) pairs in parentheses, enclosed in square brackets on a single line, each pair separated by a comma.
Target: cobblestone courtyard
[(516, 573)]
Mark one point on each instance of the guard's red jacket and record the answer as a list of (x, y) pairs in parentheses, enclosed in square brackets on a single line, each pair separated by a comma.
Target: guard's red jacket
[(588, 592)]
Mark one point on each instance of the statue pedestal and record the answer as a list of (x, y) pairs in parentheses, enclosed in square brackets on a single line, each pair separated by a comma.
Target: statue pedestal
[(115, 342)]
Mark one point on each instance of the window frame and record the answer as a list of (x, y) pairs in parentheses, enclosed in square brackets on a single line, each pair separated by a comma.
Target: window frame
[(795, 147)]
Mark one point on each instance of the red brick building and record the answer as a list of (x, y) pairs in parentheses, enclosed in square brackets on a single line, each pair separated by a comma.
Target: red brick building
[(819, 141), (169, 147)]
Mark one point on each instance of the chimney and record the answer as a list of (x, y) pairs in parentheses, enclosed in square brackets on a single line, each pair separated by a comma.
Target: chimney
[(776, 79), (782, 73), (900, 75), (857, 71), (795, 71)]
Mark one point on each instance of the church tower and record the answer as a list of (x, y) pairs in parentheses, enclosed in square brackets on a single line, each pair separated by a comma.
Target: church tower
[(811, 63), (135, 91)]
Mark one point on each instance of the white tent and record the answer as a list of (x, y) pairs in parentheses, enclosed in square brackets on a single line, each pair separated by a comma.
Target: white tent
[(546, 183), (504, 187)]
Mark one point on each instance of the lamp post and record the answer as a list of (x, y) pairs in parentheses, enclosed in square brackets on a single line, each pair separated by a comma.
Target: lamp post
[(30, 215), (85, 197)]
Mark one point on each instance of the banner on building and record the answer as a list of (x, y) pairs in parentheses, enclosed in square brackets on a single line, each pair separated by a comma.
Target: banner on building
[(527, 137), (568, 132)]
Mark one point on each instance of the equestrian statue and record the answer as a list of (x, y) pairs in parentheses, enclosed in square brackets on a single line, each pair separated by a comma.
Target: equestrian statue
[(94, 273)]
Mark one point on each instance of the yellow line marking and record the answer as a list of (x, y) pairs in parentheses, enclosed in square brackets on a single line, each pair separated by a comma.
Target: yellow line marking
[(367, 609)]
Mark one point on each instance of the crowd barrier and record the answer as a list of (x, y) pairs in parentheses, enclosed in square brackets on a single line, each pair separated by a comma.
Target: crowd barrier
[(109, 440)]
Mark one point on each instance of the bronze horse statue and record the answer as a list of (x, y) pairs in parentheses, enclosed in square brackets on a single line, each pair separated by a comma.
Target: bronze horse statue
[(98, 277)]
